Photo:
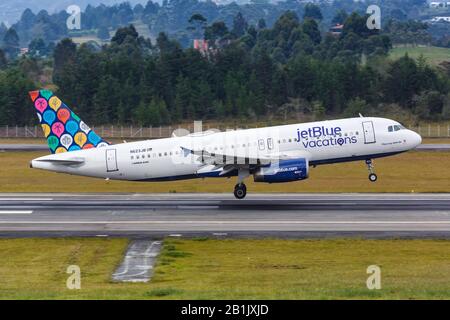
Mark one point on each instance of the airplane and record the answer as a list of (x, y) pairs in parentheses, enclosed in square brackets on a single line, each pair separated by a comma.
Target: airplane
[(271, 155)]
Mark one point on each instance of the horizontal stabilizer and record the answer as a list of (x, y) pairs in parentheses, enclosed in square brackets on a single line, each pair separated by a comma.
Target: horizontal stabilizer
[(69, 161)]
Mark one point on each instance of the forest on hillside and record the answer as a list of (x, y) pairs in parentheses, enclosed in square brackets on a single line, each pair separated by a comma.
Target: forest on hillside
[(251, 72), (172, 17)]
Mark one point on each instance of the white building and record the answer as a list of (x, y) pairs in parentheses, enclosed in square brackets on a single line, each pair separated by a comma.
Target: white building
[(439, 19), (439, 4)]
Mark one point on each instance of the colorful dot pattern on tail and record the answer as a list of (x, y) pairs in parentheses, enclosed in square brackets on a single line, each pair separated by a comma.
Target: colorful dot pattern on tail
[(64, 130)]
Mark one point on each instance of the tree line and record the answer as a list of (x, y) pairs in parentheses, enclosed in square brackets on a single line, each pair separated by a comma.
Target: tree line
[(172, 17), (251, 72)]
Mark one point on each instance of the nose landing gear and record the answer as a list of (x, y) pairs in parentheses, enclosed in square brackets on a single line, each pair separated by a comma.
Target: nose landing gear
[(372, 176)]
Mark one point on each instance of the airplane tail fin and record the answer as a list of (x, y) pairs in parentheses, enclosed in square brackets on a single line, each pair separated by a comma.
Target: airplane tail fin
[(64, 130)]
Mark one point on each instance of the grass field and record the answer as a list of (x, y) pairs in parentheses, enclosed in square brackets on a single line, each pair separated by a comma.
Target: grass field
[(230, 269), (434, 55), (408, 172)]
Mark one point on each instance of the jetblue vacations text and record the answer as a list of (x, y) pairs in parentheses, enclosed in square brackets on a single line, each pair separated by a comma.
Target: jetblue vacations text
[(323, 137)]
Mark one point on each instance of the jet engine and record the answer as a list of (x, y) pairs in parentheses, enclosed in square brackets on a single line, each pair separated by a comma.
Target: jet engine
[(283, 171)]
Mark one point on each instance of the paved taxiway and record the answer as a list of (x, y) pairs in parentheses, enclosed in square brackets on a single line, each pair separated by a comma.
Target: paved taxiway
[(297, 215)]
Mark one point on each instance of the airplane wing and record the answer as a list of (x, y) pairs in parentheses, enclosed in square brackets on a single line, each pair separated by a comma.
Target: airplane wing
[(217, 164)]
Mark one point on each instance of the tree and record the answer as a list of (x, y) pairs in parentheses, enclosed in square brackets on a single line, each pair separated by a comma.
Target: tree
[(197, 24), (151, 8), (240, 25), (124, 33), (3, 30), (311, 28), (197, 18), (429, 105), (355, 106), (37, 48), (63, 55), (401, 83), (216, 31), (357, 24), (261, 24), (340, 17), (3, 61), (312, 11), (103, 33), (14, 100), (11, 45)]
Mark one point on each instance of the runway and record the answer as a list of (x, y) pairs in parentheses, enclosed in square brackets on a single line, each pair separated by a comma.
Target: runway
[(220, 215)]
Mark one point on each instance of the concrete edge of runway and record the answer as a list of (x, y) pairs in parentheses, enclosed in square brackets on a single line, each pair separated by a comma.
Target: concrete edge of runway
[(288, 235), (375, 216)]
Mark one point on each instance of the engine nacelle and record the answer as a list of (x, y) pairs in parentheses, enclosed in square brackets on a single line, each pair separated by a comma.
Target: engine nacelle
[(283, 171)]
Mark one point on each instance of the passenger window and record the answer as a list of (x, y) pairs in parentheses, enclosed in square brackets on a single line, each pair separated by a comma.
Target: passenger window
[(396, 128), (390, 129), (261, 144)]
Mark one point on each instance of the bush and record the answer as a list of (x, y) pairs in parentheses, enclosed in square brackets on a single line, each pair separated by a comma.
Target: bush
[(355, 107)]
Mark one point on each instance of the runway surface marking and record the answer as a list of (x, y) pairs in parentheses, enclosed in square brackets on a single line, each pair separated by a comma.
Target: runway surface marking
[(26, 199), (16, 212), (138, 262), (248, 222)]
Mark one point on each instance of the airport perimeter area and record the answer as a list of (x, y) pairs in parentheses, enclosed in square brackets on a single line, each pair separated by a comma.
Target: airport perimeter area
[(229, 269), (302, 244)]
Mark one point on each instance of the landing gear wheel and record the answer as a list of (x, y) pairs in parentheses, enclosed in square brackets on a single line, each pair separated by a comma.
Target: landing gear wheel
[(372, 176), (240, 191)]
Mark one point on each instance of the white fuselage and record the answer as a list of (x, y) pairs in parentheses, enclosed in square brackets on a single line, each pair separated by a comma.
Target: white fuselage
[(166, 159)]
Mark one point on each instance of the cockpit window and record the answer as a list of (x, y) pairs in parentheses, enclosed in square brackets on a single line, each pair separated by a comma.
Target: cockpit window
[(396, 127)]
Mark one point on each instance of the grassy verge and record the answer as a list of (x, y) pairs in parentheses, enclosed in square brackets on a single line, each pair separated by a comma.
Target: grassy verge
[(230, 269), (433, 55), (408, 172)]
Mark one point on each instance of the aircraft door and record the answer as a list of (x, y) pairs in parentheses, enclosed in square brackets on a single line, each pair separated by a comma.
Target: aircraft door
[(111, 160), (369, 132), (269, 143)]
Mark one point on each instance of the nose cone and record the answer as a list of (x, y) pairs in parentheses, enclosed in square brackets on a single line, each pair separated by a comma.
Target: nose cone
[(415, 139)]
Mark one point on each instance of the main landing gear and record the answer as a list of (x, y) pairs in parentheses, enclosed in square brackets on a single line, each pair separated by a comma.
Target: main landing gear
[(240, 189), (372, 176)]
